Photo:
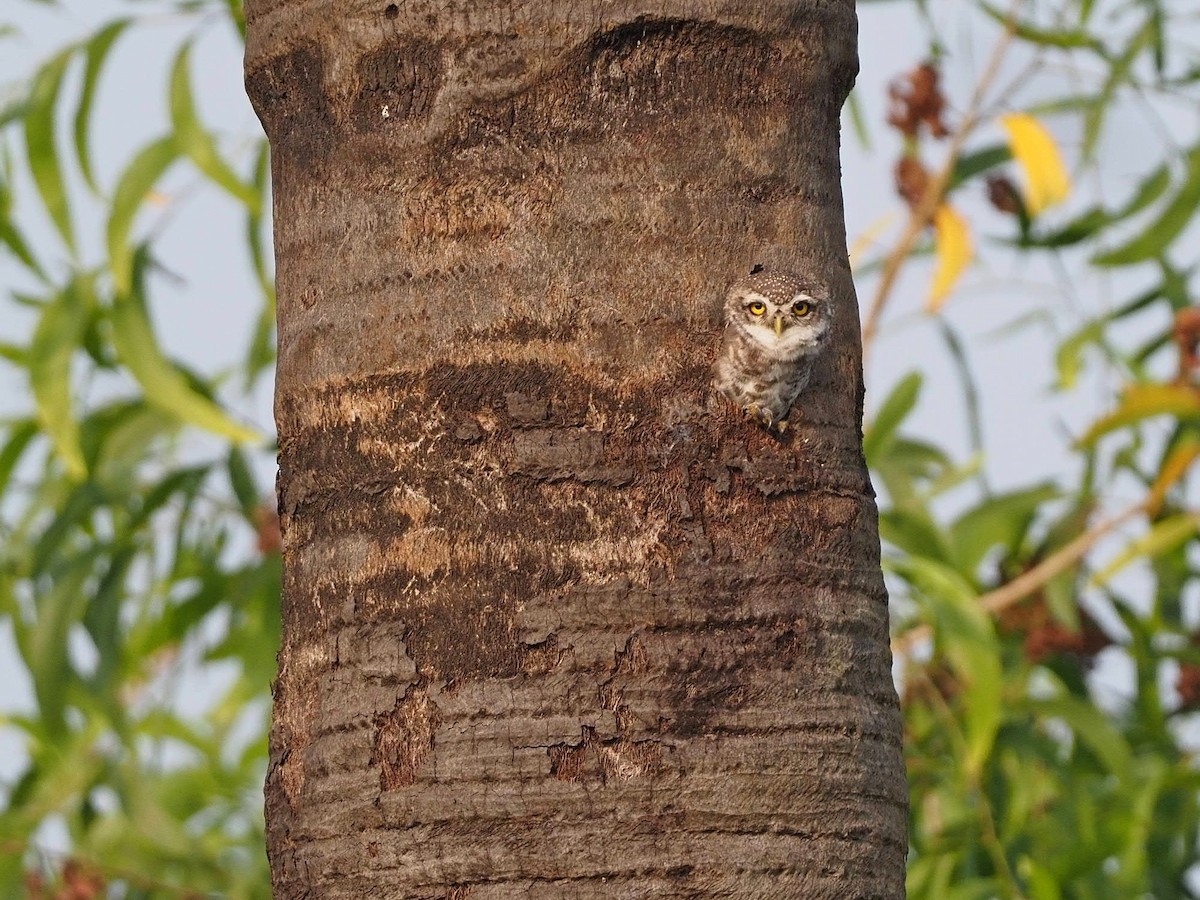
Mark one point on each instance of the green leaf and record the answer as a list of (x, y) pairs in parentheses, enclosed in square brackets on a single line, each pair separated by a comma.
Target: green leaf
[(1148, 190), (44, 644), (60, 770), (1044, 37), (178, 619), (1078, 229), (54, 343), (1169, 225), (1118, 75), (136, 182), (953, 476), (17, 354), (160, 723), (1089, 223), (895, 408), (1093, 728), (970, 388), (10, 236), (237, 15), (920, 458), (1152, 774), (12, 107), (973, 889), (96, 52), (966, 637), (914, 471), (999, 521), (20, 434), (194, 141), (1163, 537), (183, 483), (1142, 401), (52, 546), (102, 618), (1141, 354), (1138, 303), (1068, 104), (118, 438), (1157, 20), (930, 875), (914, 532), (41, 147), (1069, 358), (1043, 885), (261, 352), (972, 164), (164, 384), (858, 120), (241, 479), (1060, 594)]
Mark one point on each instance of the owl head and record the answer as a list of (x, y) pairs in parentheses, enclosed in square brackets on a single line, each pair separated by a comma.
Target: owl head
[(786, 314)]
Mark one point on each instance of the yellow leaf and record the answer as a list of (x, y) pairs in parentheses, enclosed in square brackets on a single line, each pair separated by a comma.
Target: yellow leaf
[(954, 253), (1046, 178), (1142, 401), (1164, 536), (1173, 468)]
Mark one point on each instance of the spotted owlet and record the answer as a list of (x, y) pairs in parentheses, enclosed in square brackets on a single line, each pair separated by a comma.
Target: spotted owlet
[(775, 325)]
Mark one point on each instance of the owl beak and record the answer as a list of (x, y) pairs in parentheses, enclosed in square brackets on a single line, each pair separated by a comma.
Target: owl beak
[(779, 326)]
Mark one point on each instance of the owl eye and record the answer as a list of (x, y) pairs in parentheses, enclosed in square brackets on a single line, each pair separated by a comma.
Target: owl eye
[(757, 308), (801, 308)]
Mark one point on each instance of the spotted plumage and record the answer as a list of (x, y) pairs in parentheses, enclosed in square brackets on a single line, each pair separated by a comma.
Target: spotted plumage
[(775, 325)]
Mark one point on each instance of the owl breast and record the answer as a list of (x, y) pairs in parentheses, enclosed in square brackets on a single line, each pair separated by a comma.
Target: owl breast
[(751, 375)]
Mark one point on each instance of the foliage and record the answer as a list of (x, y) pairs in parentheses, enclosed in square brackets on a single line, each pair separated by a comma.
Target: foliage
[(140, 567), (139, 575), (1018, 606)]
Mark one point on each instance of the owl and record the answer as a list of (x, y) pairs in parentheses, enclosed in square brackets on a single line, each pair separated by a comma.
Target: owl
[(776, 323)]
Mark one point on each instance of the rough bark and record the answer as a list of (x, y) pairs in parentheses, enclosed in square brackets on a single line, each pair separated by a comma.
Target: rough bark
[(557, 623)]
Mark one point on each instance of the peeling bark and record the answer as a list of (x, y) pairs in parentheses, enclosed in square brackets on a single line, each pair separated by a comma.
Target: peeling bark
[(557, 623)]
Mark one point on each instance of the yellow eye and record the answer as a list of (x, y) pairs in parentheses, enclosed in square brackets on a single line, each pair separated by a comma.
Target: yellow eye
[(801, 308), (757, 308)]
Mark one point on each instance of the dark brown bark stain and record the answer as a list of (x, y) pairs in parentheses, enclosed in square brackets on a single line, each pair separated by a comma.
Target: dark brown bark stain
[(290, 99), (404, 739), (628, 79), (592, 759), (674, 472), (397, 84)]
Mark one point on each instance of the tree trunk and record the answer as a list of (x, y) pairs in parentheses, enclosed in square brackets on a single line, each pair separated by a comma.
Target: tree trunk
[(557, 621)]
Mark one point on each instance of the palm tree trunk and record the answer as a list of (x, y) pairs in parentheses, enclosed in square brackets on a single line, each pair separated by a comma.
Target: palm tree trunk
[(557, 622)]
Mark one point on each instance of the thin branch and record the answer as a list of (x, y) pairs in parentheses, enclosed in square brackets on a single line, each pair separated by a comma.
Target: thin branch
[(922, 213), (998, 600)]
